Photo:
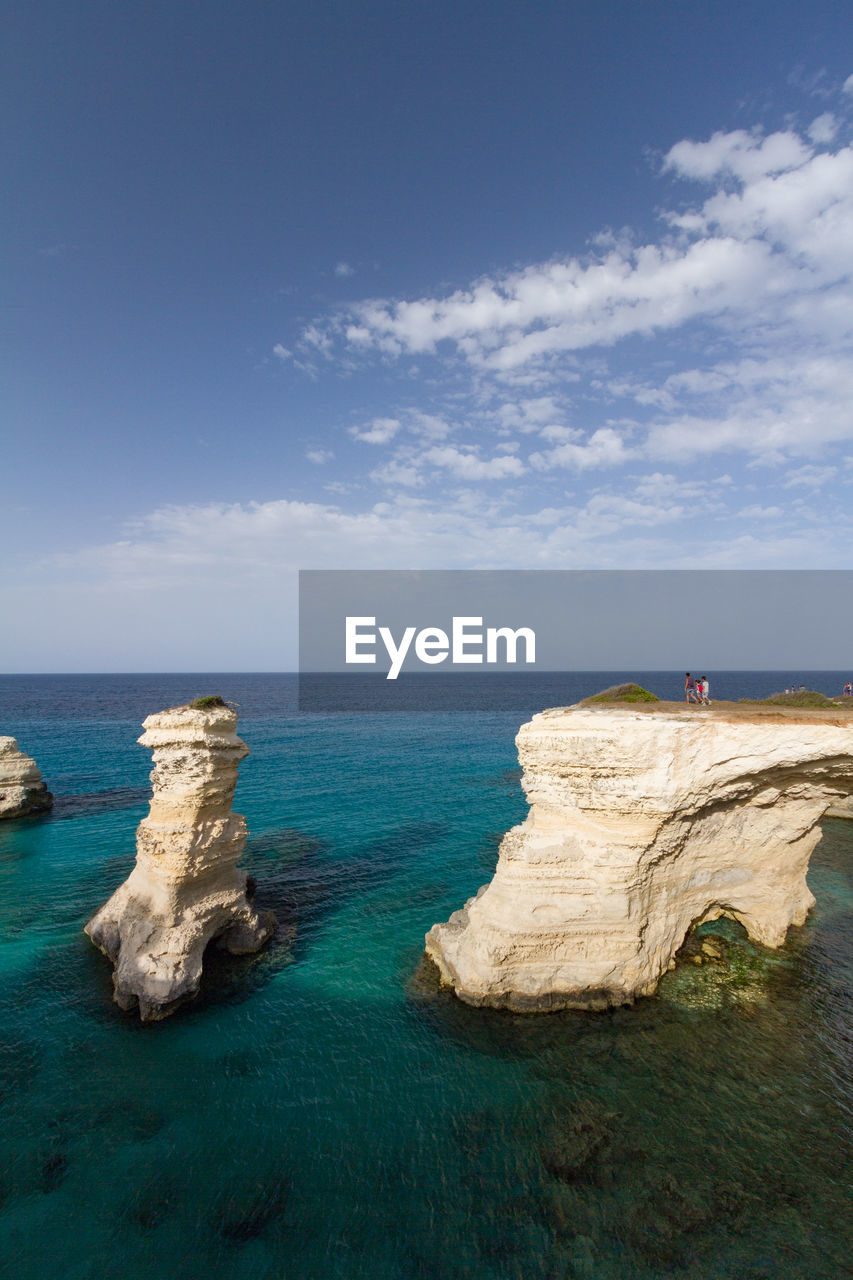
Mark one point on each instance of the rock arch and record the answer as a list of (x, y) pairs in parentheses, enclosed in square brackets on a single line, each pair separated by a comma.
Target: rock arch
[(641, 823)]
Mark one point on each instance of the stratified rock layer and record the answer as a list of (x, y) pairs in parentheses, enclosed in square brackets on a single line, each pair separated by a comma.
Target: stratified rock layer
[(22, 791), (185, 888), (642, 824)]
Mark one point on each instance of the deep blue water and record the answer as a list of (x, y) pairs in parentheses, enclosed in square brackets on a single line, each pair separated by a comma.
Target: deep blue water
[(322, 1111)]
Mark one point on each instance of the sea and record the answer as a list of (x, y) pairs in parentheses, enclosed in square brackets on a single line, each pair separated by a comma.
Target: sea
[(323, 1111)]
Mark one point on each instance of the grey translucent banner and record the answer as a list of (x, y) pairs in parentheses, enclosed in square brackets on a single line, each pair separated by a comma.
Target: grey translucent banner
[(409, 639)]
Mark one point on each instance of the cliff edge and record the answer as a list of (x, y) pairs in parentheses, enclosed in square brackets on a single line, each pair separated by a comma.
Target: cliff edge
[(22, 790), (643, 822), (185, 888)]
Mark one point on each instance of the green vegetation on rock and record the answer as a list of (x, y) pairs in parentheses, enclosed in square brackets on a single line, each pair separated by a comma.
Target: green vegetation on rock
[(623, 693), (802, 698), (205, 704)]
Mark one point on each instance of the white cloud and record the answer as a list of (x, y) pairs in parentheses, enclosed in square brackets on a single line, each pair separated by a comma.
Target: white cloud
[(661, 487), (771, 409), (396, 473), (757, 512), (605, 448), (564, 307), (428, 426), (612, 512), (823, 128), (467, 466), (380, 431), (539, 413), (560, 435), (343, 269), (810, 477), (747, 296), (234, 546), (319, 456), (745, 155), (847, 87), (783, 231), (283, 353), (730, 333), (317, 338)]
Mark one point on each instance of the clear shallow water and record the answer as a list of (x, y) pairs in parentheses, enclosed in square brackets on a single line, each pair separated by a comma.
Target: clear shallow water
[(320, 1111)]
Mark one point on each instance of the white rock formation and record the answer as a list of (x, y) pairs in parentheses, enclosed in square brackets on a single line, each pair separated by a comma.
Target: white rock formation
[(643, 823), (22, 791), (185, 888)]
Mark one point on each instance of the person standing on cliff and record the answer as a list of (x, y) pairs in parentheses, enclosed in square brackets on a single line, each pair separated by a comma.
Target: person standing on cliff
[(703, 687), (690, 694)]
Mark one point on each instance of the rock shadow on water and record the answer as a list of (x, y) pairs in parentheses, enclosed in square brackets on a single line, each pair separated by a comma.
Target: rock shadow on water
[(54, 1168), (301, 879), (19, 1064), (608, 1197), (498, 1033), (260, 1210), (66, 975), (692, 1130), (154, 1201), (296, 876), (228, 979), (93, 803)]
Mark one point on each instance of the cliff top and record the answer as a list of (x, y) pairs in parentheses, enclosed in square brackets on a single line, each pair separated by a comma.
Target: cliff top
[(201, 709), (210, 726), (837, 713)]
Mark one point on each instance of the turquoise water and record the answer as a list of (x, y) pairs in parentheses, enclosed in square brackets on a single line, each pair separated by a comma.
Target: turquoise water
[(322, 1111)]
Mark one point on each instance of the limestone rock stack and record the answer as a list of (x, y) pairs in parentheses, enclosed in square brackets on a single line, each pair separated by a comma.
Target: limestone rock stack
[(643, 823), (185, 888), (22, 791)]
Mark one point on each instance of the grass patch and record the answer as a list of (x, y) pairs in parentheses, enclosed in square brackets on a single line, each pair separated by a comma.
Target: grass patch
[(622, 693), (204, 704), (802, 698)]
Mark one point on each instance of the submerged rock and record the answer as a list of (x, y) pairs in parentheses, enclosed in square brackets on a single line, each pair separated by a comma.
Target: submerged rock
[(643, 823), (185, 888), (577, 1140), (22, 790)]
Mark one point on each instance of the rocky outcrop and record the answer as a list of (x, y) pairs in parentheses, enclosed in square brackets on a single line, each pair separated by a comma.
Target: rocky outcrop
[(643, 823), (22, 791), (185, 888)]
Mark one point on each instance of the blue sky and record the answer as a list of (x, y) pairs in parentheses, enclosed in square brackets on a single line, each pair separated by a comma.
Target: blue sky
[(466, 285)]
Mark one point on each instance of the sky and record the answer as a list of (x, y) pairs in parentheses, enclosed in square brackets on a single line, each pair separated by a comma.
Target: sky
[(435, 286)]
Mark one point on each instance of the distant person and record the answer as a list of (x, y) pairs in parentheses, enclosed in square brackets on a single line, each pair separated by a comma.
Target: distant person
[(847, 691), (690, 694), (704, 686)]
